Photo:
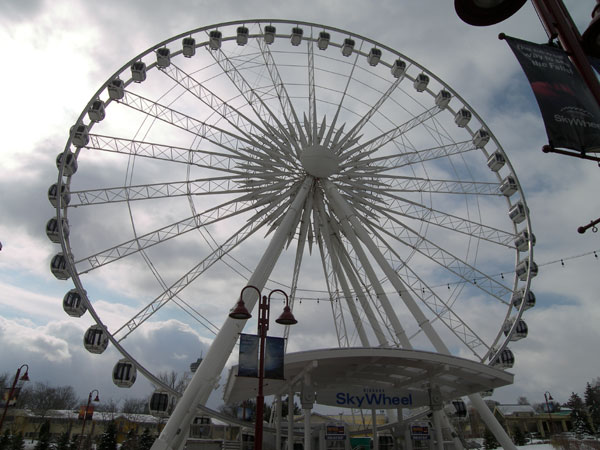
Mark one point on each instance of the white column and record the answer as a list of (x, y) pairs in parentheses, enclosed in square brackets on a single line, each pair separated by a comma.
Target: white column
[(374, 429), (407, 438), (307, 430), (173, 435), (437, 424), (278, 422), (290, 430)]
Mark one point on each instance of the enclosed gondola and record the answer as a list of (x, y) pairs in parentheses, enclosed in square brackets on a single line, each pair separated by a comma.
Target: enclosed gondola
[(421, 82), (270, 34), (80, 135), (462, 117), (242, 35), (214, 39), (517, 212), (323, 41), (58, 267), (296, 36), (374, 56), (523, 267), (348, 47), (138, 71), (189, 46), (503, 360), (52, 229), (53, 195), (70, 163), (519, 296), (523, 239), (95, 339), (97, 113), (163, 57), (116, 89), (481, 138), (160, 403), (496, 161), (74, 304), (442, 99), (519, 332), (124, 373), (398, 68)]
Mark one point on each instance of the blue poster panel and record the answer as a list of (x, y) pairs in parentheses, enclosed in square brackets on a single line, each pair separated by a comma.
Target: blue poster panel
[(570, 112), (248, 358), (274, 350)]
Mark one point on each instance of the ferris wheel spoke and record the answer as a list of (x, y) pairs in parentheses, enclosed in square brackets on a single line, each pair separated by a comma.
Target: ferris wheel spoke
[(399, 183), (232, 115), (367, 148), (224, 139), (149, 310), (346, 142), (421, 290), (408, 158), (200, 158), (413, 210), (165, 233), (282, 94), (207, 186), (256, 102), (312, 103), (460, 268)]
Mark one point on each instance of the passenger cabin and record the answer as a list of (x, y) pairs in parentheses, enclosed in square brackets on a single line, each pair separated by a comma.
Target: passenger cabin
[(270, 34), (52, 229), (323, 41), (138, 71), (504, 360), (242, 35), (73, 303), (460, 408), (58, 267), (79, 135), (348, 47), (374, 56), (442, 99), (163, 57), (296, 36), (462, 118), (70, 163), (421, 82), (496, 161), (481, 138), (53, 195), (124, 374), (398, 68), (517, 299), (520, 331), (95, 339), (517, 212), (522, 268), (160, 403), (116, 89), (522, 241), (508, 186), (189, 47), (96, 113), (214, 39)]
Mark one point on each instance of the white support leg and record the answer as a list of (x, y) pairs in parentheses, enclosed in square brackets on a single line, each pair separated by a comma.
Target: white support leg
[(345, 211), (437, 424), (307, 429), (278, 423), (290, 429), (374, 429), (175, 432)]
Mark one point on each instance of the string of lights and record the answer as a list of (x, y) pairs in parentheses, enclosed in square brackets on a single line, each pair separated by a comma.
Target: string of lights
[(562, 261)]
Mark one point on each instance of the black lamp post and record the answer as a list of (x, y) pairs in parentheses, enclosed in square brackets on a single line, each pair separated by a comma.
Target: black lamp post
[(286, 318), (25, 377), (548, 397), (85, 414)]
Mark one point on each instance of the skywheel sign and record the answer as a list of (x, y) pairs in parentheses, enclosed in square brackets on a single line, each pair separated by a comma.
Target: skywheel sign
[(372, 398)]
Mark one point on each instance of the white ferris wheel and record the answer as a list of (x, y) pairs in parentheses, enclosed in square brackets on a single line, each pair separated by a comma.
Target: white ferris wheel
[(293, 156)]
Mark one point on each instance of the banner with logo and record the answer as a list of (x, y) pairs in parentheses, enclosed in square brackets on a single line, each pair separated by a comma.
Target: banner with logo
[(6, 395), (86, 414), (419, 431), (570, 112), (248, 356)]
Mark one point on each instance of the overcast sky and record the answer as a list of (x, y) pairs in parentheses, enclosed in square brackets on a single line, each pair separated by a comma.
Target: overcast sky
[(56, 54)]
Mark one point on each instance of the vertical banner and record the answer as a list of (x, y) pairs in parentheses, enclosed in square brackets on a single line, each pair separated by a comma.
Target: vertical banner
[(248, 365), (13, 399), (86, 414), (274, 350), (570, 112)]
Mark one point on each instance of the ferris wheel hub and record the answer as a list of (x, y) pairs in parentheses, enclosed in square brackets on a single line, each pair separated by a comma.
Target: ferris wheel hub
[(320, 161)]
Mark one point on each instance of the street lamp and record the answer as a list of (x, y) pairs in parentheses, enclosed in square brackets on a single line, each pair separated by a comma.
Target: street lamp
[(85, 414), (24, 378), (547, 396), (240, 312)]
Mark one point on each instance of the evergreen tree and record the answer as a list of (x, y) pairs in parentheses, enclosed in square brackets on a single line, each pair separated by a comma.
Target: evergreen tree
[(519, 436), (108, 440), (63, 442), (489, 440), (592, 402), (74, 444), (43, 442), (146, 440), (5, 440), (579, 425), (130, 442), (17, 442), (578, 414)]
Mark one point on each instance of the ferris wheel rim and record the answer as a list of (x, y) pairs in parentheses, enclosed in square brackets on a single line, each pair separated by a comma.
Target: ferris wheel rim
[(62, 211)]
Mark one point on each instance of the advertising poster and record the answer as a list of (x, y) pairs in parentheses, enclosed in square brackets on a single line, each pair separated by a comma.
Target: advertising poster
[(274, 350), (570, 113)]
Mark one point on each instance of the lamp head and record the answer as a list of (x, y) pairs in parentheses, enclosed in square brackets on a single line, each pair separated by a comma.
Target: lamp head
[(97, 399), (25, 376), (240, 312), (286, 317), (486, 12)]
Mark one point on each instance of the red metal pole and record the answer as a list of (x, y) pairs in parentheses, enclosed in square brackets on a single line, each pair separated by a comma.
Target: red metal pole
[(558, 23), (84, 419), (10, 395), (263, 326)]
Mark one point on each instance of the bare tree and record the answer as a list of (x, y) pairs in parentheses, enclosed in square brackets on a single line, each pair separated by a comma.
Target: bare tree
[(173, 380), (135, 406), (522, 401)]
